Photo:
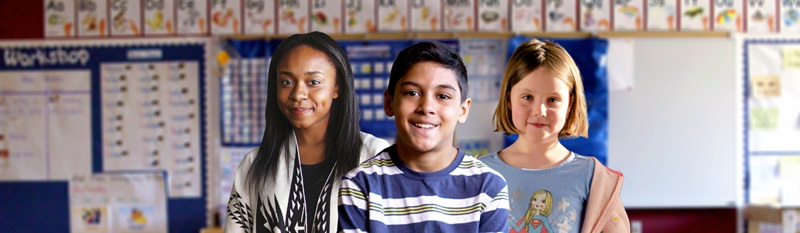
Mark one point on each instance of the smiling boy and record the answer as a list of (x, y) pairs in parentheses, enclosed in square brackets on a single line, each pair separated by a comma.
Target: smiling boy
[(423, 183)]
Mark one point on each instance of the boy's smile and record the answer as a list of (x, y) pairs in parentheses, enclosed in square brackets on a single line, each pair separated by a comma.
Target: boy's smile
[(426, 106)]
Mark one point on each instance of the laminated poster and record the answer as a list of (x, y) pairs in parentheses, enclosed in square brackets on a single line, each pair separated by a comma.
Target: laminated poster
[(493, 16), (728, 15), (459, 15), (595, 15), (191, 16), (526, 16), (359, 16), (761, 16), (789, 12), (259, 17), (125, 17), (59, 18), (393, 16), (426, 15), (226, 17), (326, 16), (159, 17), (662, 15), (561, 16), (292, 17), (628, 15), (92, 20), (695, 15)]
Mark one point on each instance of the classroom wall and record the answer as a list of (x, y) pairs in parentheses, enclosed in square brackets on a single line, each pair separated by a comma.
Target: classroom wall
[(668, 145)]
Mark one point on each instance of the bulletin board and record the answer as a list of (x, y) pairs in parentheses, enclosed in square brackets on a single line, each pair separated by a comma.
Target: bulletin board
[(72, 108), (771, 67)]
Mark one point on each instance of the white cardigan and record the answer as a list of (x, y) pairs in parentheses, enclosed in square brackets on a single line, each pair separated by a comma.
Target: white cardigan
[(276, 212)]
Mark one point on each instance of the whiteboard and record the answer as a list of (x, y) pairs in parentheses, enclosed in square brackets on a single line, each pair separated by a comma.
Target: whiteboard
[(677, 135)]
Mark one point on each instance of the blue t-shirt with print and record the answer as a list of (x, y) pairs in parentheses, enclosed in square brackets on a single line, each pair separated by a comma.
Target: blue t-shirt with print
[(546, 200)]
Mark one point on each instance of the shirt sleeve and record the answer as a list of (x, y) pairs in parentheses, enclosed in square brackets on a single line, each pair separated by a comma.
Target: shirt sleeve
[(495, 216), (352, 205)]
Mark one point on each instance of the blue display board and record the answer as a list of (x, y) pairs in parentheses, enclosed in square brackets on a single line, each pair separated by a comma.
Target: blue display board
[(42, 204)]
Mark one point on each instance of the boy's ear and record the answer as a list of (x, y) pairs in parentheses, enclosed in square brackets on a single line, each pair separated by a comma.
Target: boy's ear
[(464, 113), (387, 103)]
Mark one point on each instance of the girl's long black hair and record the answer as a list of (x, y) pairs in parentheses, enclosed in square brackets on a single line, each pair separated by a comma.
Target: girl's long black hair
[(342, 138)]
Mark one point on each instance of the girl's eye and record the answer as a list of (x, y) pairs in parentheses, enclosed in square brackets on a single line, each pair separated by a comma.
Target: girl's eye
[(527, 97), (315, 82), (444, 96), (552, 100), (286, 82)]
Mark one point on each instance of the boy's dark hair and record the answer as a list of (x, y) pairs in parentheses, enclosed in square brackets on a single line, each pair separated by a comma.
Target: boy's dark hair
[(433, 51), (343, 137)]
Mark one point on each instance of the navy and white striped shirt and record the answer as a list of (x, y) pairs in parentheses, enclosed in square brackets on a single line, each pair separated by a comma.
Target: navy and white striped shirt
[(384, 195)]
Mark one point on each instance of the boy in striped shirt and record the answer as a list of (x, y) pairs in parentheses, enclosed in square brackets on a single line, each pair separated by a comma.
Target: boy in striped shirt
[(423, 183)]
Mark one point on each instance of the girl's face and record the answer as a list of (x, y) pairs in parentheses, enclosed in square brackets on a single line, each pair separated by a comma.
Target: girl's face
[(538, 201), (306, 88), (539, 105)]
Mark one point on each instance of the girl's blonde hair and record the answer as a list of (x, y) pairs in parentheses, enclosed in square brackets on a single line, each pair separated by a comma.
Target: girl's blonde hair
[(532, 55)]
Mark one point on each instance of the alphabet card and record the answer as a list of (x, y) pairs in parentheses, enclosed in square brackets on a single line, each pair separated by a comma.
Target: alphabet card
[(92, 18), (789, 15), (628, 15), (526, 16), (259, 17), (761, 16), (159, 17), (392, 15), (695, 15), (126, 17), (359, 16), (192, 16), (426, 16), (59, 18), (728, 15), (326, 16), (492, 16), (225, 17), (292, 16), (459, 15), (595, 15), (560, 16), (662, 15)]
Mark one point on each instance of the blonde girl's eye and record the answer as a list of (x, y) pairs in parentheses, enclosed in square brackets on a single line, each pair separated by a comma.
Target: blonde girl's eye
[(553, 100), (527, 97)]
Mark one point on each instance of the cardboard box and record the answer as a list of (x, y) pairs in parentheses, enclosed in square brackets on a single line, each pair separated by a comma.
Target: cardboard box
[(765, 218)]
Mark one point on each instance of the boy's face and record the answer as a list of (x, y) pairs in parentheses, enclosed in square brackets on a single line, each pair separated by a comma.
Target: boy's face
[(426, 105), (539, 105)]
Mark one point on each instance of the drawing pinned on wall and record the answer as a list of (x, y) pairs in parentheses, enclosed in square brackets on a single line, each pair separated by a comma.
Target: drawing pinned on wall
[(326, 16), (191, 16), (728, 15), (91, 219), (292, 17), (761, 16), (225, 17), (526, 16), (789, 16), (426, 16), (695, 15), (359, 16), (492, 16), (595, 15), (92, 18), (560, 16), (392, 16), (159, 18), (765, 86), (59, 18), (459, 16), (764, 118), (125, 17), (259, 17), (662, 15), (628, 15)]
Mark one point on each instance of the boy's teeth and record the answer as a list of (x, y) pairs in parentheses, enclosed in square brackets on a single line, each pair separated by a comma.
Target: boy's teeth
[(424, 126)]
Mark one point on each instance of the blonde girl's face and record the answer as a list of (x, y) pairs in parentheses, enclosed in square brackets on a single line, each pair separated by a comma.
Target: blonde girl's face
[(538, 202), (539, 104)]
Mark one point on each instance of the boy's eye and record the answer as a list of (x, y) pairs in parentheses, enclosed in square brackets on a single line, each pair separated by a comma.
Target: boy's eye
[(412, 93), (443, 96)]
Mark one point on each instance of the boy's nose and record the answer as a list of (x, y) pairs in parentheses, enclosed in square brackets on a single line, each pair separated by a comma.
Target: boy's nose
[(425, 105)]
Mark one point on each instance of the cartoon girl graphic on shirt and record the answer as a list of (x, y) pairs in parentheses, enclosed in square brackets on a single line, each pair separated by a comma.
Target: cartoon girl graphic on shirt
[(535, 219)]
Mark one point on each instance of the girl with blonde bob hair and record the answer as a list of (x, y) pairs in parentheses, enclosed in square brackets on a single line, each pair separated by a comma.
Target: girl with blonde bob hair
[(542, 100)]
